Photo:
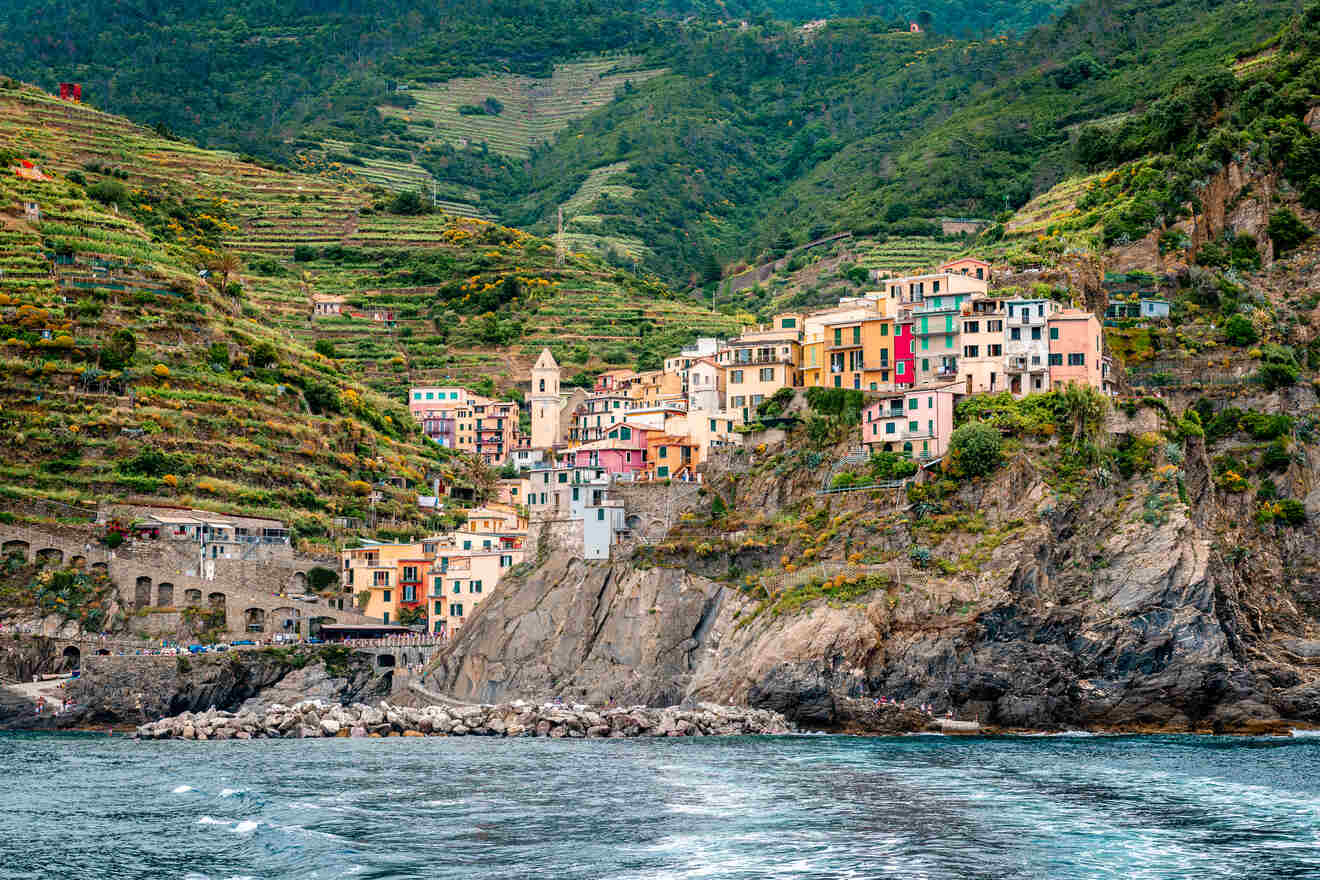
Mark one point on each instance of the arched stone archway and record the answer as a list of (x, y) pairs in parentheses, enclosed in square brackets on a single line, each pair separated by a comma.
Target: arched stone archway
[(298, 584), (216, 602), (314, 625), (633, 522), (165, 595), (384, 661), (52, 556), (78, 561), (286, 620), (16, 548), (72, 658), (254, 620), (100, 567), (192, 597), (142, 592)]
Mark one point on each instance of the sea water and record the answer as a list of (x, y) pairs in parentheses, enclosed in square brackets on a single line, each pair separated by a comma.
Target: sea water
[(82, 806)]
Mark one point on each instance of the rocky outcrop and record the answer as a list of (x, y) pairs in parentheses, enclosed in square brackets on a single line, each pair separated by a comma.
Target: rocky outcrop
[(313, 718), (133, 689), (1112, 610)]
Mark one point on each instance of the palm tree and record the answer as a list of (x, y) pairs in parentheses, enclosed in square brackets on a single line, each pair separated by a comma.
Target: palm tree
[(1086, 407), (225, 264)]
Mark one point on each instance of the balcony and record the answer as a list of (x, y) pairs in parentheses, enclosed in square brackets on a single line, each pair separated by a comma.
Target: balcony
[(1016, 365), (947, 371)]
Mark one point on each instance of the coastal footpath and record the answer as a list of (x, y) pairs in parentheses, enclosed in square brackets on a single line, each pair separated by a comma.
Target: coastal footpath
[(313, 718)]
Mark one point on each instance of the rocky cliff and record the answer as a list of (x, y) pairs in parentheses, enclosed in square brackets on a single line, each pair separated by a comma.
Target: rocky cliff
[(1152, 602), (121, 690)]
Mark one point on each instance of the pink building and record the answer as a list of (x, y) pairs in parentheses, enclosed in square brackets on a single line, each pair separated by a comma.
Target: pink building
[(1076, 350), (905, 364), (621, 451), (916, 421)]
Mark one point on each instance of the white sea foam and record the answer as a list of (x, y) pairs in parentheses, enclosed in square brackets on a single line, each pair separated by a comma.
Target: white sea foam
[(207, 820), (1305, 733), (183, 788), (247, 826), (230, 792)]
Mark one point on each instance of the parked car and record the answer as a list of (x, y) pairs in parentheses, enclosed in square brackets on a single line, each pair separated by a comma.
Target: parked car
[(316, 641), (197, 649), (243, 642), (220, 647)]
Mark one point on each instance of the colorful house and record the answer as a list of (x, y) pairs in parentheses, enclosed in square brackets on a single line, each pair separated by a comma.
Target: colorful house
[(905, 367), (917, 421), (1026, 348), (1076, 352), (671, 458)]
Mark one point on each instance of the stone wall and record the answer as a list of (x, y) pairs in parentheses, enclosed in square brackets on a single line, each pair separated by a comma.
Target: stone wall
[(158, 579)]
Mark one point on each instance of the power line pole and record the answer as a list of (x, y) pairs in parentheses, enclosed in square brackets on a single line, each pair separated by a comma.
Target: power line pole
[(559, 239)]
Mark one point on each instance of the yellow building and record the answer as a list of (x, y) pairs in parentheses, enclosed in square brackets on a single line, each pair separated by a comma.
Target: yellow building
[(760, 362), (383, 574), (460, 579)]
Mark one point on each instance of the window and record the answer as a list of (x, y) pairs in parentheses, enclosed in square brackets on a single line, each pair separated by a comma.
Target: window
[(857, 336), (575, 493), (437, 586), (385, 617), (1056, 360), (1054, 333), (934, 287), (662, 471), (1035, 333), (890, 426), (1040, 310), (735, 377), (458, 587), (912, 426), (467, 545), (563, 476), (838, 336), (600, 514), (884, 329), (410, 573), (455, 609), (767, 374), (542, 384), (925, 365), (1035, 360), (1076, 360), (385, 597), (980, 273), (506, 561), (948, 340), (410, 593), (739, 402), (913, 403), (788, 323), (439, 608), (625, 433), (380, 579), (994, 350), (925, 343), (930, 402), (900, 369), (971, 351), (994, 326), (1014, 333), (453, 395), (971, 326), (474, 587)]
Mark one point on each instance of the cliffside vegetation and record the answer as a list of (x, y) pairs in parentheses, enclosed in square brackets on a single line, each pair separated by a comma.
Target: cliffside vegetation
[(157, 337)]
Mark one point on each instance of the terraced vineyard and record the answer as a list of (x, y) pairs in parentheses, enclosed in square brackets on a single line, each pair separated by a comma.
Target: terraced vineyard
[(534, 110), (905, 255), (127, 376), (472, 302)]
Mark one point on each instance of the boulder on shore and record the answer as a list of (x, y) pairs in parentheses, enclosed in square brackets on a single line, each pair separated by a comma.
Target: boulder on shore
[(313, 718)]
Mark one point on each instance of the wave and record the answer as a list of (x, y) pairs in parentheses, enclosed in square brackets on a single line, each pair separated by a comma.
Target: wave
[(230, 792), (183, 789)]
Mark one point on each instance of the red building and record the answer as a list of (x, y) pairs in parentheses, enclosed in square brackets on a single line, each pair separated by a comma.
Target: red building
[(905, 364), (71, 91)]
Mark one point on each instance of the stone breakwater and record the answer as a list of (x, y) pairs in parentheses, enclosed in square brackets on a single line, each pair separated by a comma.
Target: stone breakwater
[(313, 718)]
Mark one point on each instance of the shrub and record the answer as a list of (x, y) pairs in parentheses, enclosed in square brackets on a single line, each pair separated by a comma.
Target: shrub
[(1275, 457), (153, 463), (326, 347), (1239, 331), (160, 371), (109, 192), (975, 449), (118, 352), (1287, 231), (321, 398), (264, 355)]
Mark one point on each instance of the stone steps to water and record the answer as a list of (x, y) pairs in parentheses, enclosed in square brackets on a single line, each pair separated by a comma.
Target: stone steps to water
[(314, 719)]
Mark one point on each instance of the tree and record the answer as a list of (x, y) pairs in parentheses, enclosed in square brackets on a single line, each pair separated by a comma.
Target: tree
[(897, 211), (264, 355), (409, 203), (711, 270), (118, 352), (325, 347), (975, 449), (1086, 407), (1239, 331), (224, 264), (1287, 231)]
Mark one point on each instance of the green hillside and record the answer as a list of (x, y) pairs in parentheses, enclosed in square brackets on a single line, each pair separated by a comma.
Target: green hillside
[(129, 374)]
